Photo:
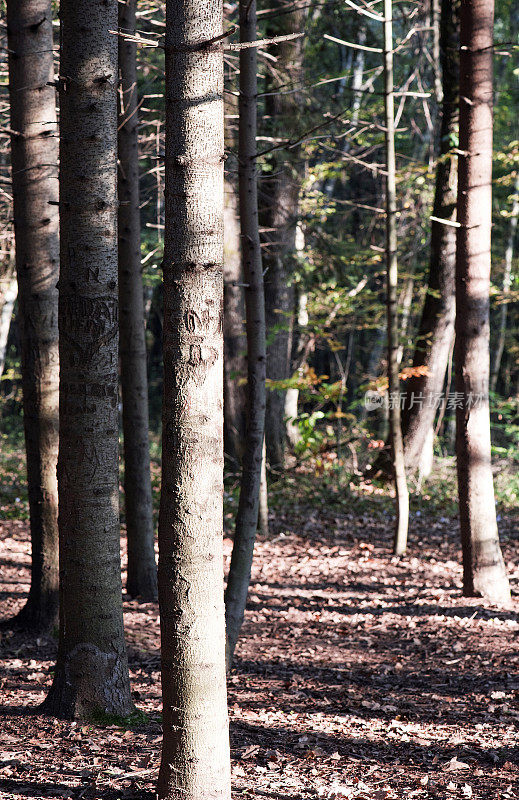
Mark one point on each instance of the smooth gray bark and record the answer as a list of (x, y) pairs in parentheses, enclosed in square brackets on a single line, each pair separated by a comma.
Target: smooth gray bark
[(142, 569), (92, 671), (195, 761), (484, 571), (248, 506), (34, 147)]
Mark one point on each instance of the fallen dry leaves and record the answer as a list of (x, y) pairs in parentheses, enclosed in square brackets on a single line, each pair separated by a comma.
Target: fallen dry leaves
[(358, 675)]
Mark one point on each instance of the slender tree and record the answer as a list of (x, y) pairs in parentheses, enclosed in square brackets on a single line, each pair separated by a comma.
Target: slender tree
[(263, 511), (92, 672), (8, 290), (142, 569), (235, 366), (8, 295), (483, 567), (507, 282), (436, 329), (34, 144), (247, 516), (395, 434), (195, 753), (279, 205)]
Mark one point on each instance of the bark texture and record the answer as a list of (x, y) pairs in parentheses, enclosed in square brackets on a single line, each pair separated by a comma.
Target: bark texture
[(248, 506), (142, 569), (436, 330), (195, 753), (395, 429), (34, 146), (483, 568), (279, 212), (92, 672)]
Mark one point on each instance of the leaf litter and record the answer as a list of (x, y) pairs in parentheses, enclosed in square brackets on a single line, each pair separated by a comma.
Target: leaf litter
[(358, 675)]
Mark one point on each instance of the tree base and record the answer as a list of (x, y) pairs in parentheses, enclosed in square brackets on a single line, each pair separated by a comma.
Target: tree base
[(491, 584), (33, 617), (89, 684)]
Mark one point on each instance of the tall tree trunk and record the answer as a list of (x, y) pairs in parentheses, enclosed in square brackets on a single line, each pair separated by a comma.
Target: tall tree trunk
[(92, 671), (280, 204), (247, 516), (34, 144), (395, 435), (142, 569), (483, 567), (436, 330), (235, 366), (507, 282), (195, 753)]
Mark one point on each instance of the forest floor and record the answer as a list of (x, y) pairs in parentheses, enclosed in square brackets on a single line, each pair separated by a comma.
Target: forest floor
[(358, 675)]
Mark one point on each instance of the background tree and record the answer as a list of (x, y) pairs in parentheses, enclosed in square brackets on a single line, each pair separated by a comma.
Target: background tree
[(435, 334), (507, 282), (247, 516), (195, 752), (483, 567), (8, 295), (34, 148), (279, 204), (235, 365), (397, 445), (91, 672), (142, 569)]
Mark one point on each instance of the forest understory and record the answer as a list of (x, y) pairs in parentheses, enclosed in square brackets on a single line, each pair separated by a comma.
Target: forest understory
[(358, 675)]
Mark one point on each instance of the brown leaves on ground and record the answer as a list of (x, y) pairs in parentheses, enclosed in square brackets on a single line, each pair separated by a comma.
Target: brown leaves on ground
[(358, 676)]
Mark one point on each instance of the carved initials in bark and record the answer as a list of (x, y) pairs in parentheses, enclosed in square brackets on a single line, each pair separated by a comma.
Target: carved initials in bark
[(92, 323)]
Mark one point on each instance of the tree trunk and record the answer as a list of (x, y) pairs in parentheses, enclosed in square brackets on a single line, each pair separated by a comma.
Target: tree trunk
[(8, 295), (280, 204), (235, 366), (263, 512), (483, 567), (34, 144), (92, 672), (406, 302), (248, 506), (436, 330), (195, 754), (507, 282), (395, 434), (155, 355), (142, 570)]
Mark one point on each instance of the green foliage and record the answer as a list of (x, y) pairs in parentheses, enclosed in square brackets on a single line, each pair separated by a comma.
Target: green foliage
[(14, 500), (311, 437)]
